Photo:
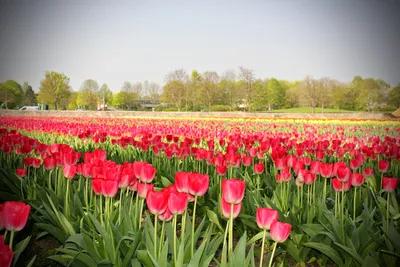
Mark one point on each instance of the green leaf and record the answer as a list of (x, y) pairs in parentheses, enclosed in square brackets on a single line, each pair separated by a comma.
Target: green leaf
[(239, 253), (163, 258), (132, 249), (257, 237), (292, 249), (351, 252), (214, 218), (19, 248), (195, 260), (312, 229), (165, 181), (144, 258), (393, 236), (327, 250), (30, 264)]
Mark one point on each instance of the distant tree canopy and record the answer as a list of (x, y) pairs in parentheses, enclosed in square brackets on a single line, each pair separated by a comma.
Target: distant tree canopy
[(11, 94), (208, 90), (54, 90)]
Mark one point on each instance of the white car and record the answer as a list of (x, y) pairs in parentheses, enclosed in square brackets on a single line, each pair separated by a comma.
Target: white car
[(29, 108)]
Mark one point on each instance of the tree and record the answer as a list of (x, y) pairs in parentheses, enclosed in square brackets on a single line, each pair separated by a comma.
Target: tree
[(174, 93), (105, 95), (371, 93), (228, 85), (260, 95), (127, 97), (138, 89), (72, 101), (309, 88), (88, 94), (276, 94), (247, 77), (325, 91), (10, 93), (53, 89), (394, 96), (154, 90), (209, 88), (177, 89), (29, 96)]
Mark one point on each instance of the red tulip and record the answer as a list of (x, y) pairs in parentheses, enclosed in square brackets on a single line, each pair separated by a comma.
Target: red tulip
[(86, 170), (157, 202), (389, 184), (143, 189), (100, 154), (258, 168), (133, 185), (177, 202), (109, 188), (166, 216), (265, 217), (315, 167), (357, 179), (354, 164), (6, 255), (308, 177), (15, 215), (336, 166), (28, 162), (280, 231), (233, 190), (137, 168), (338, 185), (306, 161), (69, 171), (147, 173), (36, 163), (182, 181), (326, 170), (343, 173), (247, 161), (220, 169), (198, 184), (49, 163), (383, 166), (368, 172), (226, 209), (97, 186), (21, 172)]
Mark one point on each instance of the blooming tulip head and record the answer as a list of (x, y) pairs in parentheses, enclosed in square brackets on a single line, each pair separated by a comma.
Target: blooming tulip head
[(157, 202), (177, 202), (280, 231), (14, 215), (21, 172), (383, 166), (226, 209), (198, 184), (357, 179), (265, 217), (258, 168), (389, 184), (6, 254), (233, 190), (69, 171)]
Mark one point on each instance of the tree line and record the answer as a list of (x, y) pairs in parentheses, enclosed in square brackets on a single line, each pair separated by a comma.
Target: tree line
[(209, 90)]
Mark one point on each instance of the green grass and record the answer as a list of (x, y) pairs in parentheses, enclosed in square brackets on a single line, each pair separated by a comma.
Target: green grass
[(309, 110)]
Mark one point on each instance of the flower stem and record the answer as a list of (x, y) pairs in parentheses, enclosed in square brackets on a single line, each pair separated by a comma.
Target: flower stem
[(262, 248), (11, 239), (354, 203), (67, 201), (155, 237), (272, 256), (183, 228), (174, 224), (231, 230), (193, 222), (162, 238), (387, 212), (140, 214)]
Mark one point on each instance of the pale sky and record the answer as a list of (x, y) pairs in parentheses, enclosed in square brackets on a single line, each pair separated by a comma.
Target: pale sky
[(117, 41)]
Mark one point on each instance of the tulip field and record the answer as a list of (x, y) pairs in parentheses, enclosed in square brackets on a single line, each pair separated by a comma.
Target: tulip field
[(199, 192)]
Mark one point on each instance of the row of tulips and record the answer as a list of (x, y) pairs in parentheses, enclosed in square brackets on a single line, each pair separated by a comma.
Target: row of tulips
[(105, 184)]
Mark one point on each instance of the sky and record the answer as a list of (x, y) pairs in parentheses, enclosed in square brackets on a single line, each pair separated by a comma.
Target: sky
[(117, 41)]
